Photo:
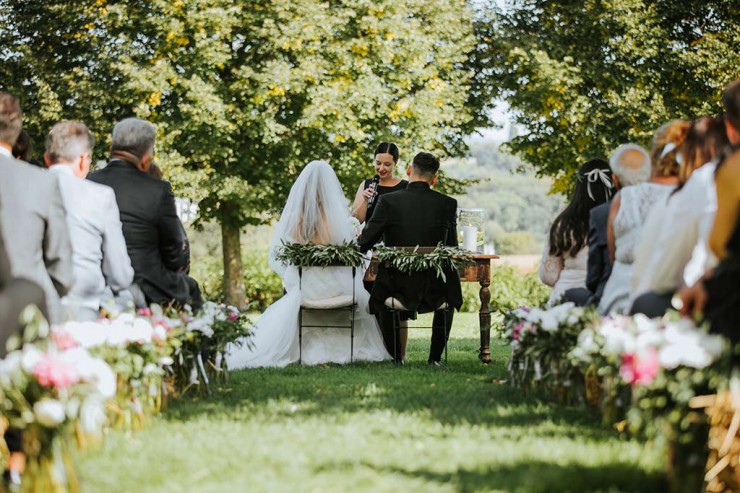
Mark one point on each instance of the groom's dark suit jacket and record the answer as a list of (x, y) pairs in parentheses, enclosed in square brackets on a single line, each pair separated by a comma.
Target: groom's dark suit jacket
[(155, 239), (415, 216)]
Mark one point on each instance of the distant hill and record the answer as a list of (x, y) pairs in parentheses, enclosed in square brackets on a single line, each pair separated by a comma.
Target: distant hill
[(518, 205)]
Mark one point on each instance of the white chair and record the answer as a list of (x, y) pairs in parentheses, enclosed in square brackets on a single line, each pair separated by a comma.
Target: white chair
[(337, 303)]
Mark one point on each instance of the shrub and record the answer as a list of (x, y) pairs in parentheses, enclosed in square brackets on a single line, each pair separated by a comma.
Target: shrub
[(510, 289)]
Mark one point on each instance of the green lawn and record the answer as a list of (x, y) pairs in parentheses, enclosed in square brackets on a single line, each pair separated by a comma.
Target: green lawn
[(374, 428)]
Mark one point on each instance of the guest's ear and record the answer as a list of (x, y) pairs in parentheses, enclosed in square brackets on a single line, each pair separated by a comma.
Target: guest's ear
[(408, 170), (47, 159), (434, 180), (615, 180), (145, 162)]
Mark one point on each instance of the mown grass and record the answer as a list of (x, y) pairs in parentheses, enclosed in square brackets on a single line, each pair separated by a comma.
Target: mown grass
[(374, 428)]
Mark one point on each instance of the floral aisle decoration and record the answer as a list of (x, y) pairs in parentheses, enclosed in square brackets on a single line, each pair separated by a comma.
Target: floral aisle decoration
[(53, 393), (207, 335), (139, 348), (540, 342), (665, 363)]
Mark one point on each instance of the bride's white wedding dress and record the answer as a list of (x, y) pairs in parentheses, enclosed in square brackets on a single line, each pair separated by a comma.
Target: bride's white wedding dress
[(316, 210)]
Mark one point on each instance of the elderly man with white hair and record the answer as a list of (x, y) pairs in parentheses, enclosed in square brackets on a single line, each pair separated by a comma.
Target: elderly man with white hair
[(155, 239), (101, 265)]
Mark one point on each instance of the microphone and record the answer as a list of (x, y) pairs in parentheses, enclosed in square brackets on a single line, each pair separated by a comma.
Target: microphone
[(373, 186)]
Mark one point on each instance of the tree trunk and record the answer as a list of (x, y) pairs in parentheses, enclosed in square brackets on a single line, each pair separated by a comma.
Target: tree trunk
[(234, 292)]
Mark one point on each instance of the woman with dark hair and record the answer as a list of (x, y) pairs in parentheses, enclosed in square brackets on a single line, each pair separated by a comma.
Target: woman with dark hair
[(386, 159), (564, 261)]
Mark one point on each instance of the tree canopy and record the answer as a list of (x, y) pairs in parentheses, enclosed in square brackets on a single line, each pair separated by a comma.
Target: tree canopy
[(244, 94), (584, 77)]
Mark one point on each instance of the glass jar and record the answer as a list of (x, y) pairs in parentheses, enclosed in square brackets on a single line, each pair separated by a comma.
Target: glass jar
[(470, 231)]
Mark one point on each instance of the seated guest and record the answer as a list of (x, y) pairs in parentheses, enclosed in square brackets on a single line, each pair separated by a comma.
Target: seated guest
[(33, 217), (154, 236), (630, 208), (630, 165), (565, 256), (102, 267), (415, 216), (675, 253)]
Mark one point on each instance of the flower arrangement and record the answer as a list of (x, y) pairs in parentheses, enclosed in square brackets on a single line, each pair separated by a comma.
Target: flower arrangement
[(540, 341), (315, 255), (139, 348), (199, 359), (441, 259), (663, 363), (53, 393)]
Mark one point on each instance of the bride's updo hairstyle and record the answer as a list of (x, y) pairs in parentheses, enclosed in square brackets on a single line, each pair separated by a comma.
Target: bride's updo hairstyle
[(667, 142), (387, 148)]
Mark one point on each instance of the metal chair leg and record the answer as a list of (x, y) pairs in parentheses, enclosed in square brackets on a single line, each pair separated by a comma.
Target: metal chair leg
[(300, 336)]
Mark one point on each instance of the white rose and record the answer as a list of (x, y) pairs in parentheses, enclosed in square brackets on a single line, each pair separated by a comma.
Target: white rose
[(49, 412), (31, 357)]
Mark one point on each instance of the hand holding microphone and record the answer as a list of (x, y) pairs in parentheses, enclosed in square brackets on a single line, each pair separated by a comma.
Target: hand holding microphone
[(372, 189)]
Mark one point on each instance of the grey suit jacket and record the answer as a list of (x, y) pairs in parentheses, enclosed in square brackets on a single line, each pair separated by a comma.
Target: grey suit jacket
[(101, 264), (35, 229)]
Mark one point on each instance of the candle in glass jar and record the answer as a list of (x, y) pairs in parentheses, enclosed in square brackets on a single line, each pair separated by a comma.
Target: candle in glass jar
[(470, 237)]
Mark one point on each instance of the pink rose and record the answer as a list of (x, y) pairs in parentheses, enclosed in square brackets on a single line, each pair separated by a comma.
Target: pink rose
[(63, 341), (640, 369), (145, 312), (53, 371)]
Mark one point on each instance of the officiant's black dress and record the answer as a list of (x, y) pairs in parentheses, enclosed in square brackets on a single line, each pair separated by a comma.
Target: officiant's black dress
[(415, 216)]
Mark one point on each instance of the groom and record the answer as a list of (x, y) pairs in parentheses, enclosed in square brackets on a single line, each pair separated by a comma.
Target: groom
[(415, 216)]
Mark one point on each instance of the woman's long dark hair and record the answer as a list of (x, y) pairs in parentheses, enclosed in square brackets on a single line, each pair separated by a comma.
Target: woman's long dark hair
[(569, 231)]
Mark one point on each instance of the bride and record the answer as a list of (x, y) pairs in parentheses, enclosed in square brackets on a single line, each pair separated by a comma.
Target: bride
[(316, 212)]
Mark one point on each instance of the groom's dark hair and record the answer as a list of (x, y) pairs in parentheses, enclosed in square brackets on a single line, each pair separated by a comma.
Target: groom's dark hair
[(425, 164)]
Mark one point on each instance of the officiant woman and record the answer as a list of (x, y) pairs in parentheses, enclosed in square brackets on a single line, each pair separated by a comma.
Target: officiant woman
[(386, 159)]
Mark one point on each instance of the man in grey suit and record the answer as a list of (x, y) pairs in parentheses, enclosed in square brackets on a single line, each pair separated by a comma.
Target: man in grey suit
[(102, 268), (33, 223)]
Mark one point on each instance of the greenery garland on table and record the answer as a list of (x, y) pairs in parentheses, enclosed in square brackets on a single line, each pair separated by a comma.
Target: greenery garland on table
[(315, 255), (442, 258)]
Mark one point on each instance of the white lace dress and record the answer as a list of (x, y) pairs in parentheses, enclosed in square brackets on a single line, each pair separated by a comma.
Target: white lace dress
[(563, 273), (635, 205)]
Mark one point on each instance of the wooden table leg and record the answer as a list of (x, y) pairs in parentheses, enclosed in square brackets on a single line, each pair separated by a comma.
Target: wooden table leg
[(484, 314)]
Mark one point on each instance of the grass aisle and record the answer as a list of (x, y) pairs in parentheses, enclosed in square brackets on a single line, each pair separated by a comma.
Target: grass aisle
[(374, 428)]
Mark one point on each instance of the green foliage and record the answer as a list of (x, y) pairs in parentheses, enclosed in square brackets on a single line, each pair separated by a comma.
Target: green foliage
[(584, 77), (312, 254), (515, 200), (516, 242), (511, 289), (442, 259), (262, 285)]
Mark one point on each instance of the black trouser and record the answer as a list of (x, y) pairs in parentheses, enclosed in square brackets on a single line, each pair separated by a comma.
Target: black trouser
[(652, 304), (440, 332)]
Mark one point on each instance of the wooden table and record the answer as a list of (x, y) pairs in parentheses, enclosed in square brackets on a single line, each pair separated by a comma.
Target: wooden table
[(480, 272)]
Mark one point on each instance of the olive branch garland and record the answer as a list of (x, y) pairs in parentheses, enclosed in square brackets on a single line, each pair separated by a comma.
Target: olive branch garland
[(315, 255), (440, 259)]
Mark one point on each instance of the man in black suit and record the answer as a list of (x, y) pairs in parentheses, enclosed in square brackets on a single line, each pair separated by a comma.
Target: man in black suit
[(155, 240), (411, 217)]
